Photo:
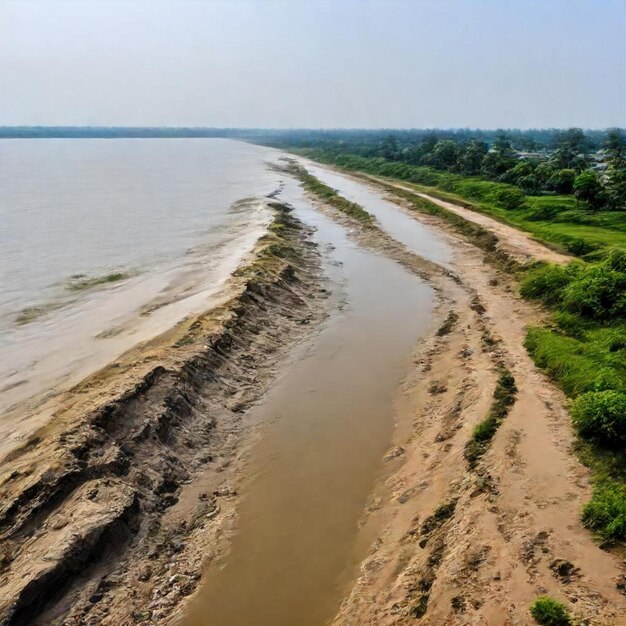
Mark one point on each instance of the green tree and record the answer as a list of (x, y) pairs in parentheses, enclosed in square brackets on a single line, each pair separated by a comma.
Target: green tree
[(500, 158), (495, 164), (562, 181), (389, 148), (615, 146), (445, 154), (502, 145), (571, 144), (616, 188), (472, 157), (588, 188), (544, 172)]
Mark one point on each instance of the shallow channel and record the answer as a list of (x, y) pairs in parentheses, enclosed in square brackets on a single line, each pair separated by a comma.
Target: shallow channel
[(329, 422)]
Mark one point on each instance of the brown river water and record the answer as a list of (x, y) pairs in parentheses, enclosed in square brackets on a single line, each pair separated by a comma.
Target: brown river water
[(330, 419)]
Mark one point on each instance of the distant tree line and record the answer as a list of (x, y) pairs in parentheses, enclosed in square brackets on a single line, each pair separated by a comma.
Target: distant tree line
[(118, 132), (591, 164)]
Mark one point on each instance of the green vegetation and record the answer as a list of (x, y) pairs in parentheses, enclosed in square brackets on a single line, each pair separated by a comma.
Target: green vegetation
[(550, 612), (503, 399), (79, 282), (587, 360), (591, 290), (570, 193), (565, 187), (605, 513), (585, 352), (559, 220), (328, 194), (600, 416)]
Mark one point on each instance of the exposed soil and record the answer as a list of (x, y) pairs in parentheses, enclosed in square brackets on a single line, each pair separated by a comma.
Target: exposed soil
[(109, 511), (476, 544)]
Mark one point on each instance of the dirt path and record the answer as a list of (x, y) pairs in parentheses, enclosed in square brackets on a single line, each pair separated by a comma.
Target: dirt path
[(514, 242), (477, 546)]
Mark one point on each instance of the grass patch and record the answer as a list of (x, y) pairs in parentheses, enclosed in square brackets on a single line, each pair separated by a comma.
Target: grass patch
[(503, 398), (605, 513), (448, 324), (584, 351), (550, 612), (582, 362)]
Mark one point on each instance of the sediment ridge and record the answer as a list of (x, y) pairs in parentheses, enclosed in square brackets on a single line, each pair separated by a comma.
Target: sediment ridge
[(109, 511)]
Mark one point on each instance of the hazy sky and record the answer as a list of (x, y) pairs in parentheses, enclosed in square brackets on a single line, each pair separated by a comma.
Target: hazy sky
[(314, 63)]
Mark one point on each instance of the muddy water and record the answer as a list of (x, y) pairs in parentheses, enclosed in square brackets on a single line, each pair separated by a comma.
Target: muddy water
[(417, 237), (330, 420), (167, 213)]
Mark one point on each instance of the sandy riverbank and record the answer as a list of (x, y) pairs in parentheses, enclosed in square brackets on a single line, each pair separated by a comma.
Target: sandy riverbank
[(112, 512), (476, 545), (132, 472)]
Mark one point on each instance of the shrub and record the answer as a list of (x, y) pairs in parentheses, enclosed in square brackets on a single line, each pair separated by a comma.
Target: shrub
[(508, 197), (601, 416), (550, 612), (580, 247), (616, 259), (547, 282), (597, 293), (605, 513)]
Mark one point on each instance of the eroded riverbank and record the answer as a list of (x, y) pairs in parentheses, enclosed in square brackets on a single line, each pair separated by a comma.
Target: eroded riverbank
[(120, 494), (332, 413), (266, 460)]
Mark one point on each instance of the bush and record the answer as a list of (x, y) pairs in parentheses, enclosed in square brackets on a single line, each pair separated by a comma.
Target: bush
[(508, 197), (597, 293), (550, 612), (600, 416), (616, 259), (605, 513), (580, 247), (547, 282)]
